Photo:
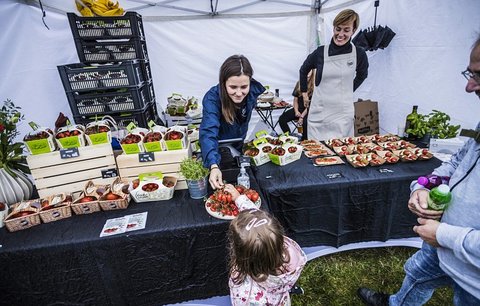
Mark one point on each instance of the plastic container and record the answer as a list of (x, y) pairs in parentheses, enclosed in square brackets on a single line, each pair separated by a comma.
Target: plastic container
[(439, 197), (110, 101), (101, 51), (84, 77), (130, 25)]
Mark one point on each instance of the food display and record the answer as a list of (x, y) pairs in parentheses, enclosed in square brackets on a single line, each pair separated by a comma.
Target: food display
[(358, 160), (334, 142), (177, 105), (40, 141), (259, 152), (220, 204), (98, 132), (23, 215), (406, 155), (316, 149), (282, 155), (153, 141), (152, 187), (114, 196), (56, 207), (327, 161), (374, 159), (389, 156), (422, 154), (343, 150), (176, 138), (70, 136), (132, 143), (266, 96)]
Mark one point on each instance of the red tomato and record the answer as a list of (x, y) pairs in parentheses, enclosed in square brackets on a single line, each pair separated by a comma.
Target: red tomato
[(254, 197), (235, 212), (229, 198)]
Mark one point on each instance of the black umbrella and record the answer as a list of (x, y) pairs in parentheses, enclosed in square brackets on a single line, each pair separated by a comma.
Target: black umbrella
[(374, 37)]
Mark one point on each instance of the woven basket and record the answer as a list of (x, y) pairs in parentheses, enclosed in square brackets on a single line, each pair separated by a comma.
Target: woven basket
[(57, 211), (81, 208), (116, 188), (13, 222)]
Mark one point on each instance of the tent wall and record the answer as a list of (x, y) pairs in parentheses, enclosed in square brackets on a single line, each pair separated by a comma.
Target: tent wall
[(421, 66)]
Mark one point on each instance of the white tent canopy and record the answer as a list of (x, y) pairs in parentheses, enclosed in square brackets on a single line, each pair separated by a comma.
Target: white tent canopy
[(187, 43)]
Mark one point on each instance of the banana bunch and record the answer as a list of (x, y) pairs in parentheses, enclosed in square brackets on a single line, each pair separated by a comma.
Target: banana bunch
[(90, 8)]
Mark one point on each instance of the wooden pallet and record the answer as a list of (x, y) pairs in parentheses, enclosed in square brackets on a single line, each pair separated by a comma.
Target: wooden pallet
[(168, 162), (54, 175)]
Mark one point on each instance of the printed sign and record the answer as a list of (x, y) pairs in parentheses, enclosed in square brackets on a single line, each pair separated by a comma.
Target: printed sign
[(146, 157), (69, 153)]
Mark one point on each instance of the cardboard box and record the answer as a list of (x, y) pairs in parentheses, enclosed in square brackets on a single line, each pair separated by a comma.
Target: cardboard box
[(366, 118)]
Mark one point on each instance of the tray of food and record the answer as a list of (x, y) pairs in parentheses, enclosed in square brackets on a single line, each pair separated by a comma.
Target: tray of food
[(406, 155), (334, 142), (221, 206), (389, 157), (327, 161), (422, 154), (357, 160)]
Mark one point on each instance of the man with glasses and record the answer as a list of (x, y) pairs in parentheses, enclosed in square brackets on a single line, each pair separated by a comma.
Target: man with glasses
[(450, 254)]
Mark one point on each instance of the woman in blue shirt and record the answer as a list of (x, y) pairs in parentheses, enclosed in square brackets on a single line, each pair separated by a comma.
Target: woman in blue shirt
[(227, 108)]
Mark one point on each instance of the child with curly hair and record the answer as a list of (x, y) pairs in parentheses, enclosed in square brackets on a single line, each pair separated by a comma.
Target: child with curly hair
[(264, 263)]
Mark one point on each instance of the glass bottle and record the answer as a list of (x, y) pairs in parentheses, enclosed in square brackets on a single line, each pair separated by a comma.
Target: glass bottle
[(409, 121), (243, 178), (439, 197)]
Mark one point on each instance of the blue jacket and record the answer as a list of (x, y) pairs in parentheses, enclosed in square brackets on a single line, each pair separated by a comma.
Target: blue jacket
[(214, 127)]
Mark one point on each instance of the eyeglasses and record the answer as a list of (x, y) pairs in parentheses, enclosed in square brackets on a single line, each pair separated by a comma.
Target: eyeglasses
[(471, 75)]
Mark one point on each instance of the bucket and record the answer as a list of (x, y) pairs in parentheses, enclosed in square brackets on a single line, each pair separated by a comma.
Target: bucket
[(197, 188)]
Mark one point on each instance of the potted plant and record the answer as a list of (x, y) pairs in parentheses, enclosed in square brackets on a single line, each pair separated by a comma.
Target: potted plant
[(196, 176), (14, 184), (440, 127), (436, 124)]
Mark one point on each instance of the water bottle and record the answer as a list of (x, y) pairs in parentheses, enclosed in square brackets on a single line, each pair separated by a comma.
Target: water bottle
[(430, 181), (242, 178), (439, 197)]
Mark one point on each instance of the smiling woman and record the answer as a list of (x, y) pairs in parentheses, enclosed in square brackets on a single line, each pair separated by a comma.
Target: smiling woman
[(227, 108), (341, 69)]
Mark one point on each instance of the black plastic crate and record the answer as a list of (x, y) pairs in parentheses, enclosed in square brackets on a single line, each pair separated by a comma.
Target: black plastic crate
[(83, 77), (140, 118), (100, 51), (110, 101), (129, 25)]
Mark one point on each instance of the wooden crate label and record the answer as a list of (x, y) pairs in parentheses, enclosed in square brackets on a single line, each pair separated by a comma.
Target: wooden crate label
[(69, 153), (145, 157), (109, 173)]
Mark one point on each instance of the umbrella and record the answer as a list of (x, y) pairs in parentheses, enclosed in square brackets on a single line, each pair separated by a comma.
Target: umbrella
[(374, 37)]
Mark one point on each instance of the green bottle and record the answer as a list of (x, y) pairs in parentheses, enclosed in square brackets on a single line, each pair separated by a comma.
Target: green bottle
[(409, 121), (439, 197)]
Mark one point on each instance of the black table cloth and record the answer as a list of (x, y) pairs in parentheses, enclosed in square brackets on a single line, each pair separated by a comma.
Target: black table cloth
[(337, 205), (180, 255)]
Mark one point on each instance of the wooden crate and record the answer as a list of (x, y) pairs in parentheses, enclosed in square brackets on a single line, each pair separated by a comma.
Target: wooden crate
[(168, 162), (54, 175)]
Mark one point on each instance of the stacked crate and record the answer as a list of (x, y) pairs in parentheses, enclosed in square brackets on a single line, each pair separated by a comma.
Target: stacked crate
[(114, 77)]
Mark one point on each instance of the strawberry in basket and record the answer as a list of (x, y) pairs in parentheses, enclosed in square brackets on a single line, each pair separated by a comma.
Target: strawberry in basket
[(70, 136)]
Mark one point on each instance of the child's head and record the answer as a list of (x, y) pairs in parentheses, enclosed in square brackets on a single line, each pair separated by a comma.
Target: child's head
[(256, 246)]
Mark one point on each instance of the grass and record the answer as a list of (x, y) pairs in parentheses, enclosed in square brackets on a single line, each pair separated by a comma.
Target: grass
[(334, 279)]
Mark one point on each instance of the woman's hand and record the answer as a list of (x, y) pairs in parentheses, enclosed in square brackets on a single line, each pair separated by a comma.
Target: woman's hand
[(418, 205), (215, 178), (233, 191), (297, 113)]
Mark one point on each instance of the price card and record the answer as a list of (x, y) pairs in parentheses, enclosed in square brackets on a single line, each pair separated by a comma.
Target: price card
[(385, 170), (335, 175), (109, 173), (146, 157), (69, 153)]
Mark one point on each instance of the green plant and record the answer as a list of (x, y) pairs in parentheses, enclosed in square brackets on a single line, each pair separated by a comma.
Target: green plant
[(436, 123), (440, 127), (419, 125), (193, 169), (11, 152)]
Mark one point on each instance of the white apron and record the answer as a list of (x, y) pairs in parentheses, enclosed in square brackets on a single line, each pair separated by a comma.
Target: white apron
[(331, 107)]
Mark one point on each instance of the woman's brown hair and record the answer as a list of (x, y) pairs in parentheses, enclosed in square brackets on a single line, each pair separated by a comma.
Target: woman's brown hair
[(311, 83), (256, 251), (235, 65), (347, 16)]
